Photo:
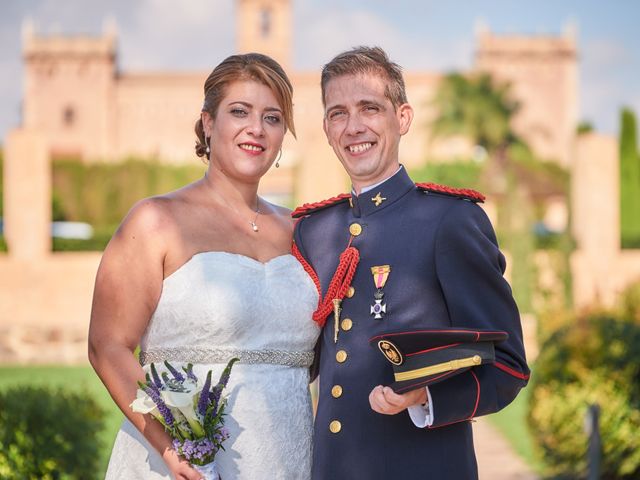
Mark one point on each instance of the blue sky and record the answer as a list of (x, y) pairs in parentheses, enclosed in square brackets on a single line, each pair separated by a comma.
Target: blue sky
[(418, 34)]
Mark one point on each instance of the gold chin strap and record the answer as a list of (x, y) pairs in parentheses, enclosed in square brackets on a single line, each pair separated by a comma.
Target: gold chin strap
[(438, 368)]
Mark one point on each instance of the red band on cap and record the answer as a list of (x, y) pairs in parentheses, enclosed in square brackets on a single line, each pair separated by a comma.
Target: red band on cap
[(432, 349), (511, 371)]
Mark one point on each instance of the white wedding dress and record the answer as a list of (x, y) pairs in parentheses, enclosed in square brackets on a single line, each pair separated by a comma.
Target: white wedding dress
[(219, 305)]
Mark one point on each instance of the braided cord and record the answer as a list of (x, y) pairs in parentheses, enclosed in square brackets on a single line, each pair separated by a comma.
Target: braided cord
[(339, 284), (309, 207), (457, 192)]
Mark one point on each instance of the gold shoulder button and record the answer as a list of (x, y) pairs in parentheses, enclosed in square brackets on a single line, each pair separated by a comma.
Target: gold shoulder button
[(355, 229)]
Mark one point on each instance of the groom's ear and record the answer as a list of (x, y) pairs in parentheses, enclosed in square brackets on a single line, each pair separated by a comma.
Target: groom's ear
[(405, 117), (325, 127)]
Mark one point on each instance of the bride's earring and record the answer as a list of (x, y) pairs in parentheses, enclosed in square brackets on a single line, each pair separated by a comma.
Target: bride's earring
[(206, 142), (278, 160)]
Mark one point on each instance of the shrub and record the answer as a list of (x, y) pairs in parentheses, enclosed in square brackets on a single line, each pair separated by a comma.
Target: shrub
[(629, 181), (102, 193), (630, 303), (1, 181), (97, 243), (595, 359), (458, 174), (49, 434)]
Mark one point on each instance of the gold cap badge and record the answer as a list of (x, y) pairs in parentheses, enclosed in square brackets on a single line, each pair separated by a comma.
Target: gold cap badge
[(390, 351)]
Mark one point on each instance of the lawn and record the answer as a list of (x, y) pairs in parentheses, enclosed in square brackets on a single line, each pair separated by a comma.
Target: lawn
[(75, 378)]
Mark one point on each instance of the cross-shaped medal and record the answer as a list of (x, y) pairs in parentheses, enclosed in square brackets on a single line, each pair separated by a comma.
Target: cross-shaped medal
[(378, 308)]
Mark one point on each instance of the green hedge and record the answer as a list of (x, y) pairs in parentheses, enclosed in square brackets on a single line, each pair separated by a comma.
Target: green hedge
[(97, 243), (49, 434), (464, 174), (594, 358), (1, 182), (102, 193), (629, 181)]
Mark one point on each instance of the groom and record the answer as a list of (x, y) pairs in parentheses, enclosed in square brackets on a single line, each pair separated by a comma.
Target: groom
[(394, 256)]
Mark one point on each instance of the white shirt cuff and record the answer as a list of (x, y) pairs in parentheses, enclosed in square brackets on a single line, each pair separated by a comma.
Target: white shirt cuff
[(422, 415)]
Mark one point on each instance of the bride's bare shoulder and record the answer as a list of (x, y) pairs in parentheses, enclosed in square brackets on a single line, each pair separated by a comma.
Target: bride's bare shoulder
[(151, 223)]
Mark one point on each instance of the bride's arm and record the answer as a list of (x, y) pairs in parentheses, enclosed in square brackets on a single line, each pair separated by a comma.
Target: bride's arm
[(127, 289)]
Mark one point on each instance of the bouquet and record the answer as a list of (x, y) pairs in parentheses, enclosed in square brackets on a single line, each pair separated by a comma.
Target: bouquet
[(191, 412)]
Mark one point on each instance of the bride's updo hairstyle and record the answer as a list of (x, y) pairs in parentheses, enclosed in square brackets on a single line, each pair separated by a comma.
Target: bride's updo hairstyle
[(249, 66)]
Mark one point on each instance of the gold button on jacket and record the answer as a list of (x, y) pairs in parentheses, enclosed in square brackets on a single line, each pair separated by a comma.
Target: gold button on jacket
[(341, 356), (346, 324), (336, 391), (355, 229), (351, 292), (335, 426)]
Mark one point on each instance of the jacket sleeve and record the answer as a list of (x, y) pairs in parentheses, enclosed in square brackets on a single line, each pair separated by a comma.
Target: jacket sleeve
[(470, 270)]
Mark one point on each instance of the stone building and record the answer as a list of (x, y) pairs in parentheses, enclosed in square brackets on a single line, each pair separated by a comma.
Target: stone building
[(77, 103), (89, 109)]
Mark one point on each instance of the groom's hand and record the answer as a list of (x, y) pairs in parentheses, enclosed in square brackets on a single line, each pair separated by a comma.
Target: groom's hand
[(386, 401)]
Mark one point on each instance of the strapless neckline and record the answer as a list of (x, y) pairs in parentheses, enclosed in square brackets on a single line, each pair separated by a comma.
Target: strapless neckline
[(245, 259)]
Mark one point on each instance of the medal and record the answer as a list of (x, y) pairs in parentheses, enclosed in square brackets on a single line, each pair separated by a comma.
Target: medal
[(380, 274)]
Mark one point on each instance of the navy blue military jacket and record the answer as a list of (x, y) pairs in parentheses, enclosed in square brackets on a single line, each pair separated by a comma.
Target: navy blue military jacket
[(446, 271)]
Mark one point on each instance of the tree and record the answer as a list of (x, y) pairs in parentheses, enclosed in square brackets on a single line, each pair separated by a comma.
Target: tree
[(629, 181), (481, 109), (478, 108)]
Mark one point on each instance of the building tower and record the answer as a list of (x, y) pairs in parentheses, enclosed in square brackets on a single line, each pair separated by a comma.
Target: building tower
[(69, 84), (265, 26), (543, 72)]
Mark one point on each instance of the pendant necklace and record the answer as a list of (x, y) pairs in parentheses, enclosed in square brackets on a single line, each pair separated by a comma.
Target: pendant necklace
[(254, 225)]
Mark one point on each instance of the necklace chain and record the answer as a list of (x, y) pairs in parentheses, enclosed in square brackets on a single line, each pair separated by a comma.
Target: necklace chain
[(254, 225)]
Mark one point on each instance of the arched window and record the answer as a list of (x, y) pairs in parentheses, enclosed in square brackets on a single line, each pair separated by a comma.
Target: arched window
[(265, 22), (68, 116)]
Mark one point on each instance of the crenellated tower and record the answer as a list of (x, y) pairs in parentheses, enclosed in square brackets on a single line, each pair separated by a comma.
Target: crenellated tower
[(265, 26), (69, 84), (543, 72)]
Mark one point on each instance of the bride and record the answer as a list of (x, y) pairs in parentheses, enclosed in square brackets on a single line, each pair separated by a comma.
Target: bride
[(204, 274)]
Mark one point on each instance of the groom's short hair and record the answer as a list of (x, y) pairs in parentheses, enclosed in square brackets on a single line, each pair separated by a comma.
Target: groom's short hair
[(367, 60)]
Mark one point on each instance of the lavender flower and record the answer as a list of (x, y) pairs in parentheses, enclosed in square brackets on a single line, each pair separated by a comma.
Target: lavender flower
[(224, 378), (214, 397), (203, 402), (198, 452), (176, 374), (162, 407), (154, 375), (189, 371), (197, 427)]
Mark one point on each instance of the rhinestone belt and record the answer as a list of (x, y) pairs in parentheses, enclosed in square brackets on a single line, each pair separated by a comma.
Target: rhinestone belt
[(221, 355)]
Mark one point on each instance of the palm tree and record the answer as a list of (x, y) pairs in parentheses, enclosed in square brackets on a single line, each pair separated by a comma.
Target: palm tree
[(478, 108)]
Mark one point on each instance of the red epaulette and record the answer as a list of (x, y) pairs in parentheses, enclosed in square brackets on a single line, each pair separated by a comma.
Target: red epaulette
[(308, 208), (464, 193)]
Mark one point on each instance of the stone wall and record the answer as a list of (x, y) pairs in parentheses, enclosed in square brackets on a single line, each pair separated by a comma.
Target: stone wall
[(601, 270)]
